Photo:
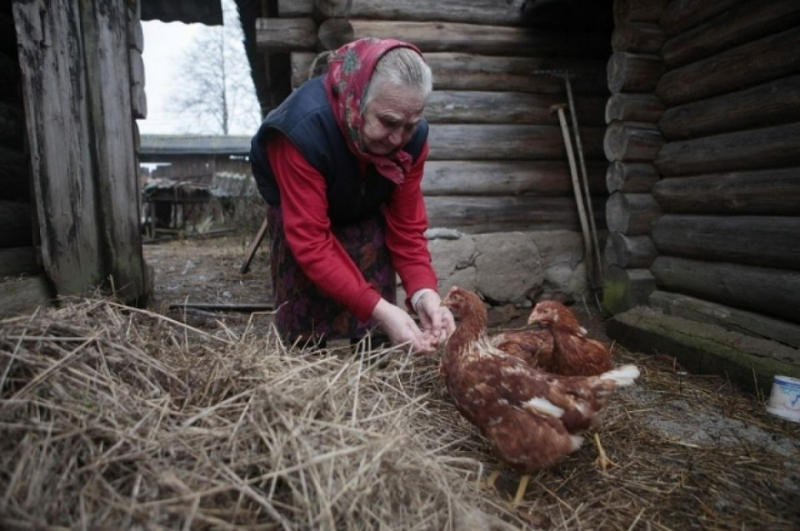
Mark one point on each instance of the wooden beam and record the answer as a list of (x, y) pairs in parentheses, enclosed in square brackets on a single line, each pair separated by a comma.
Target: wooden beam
[(507, 142), (632, 141), (511, 177), (633, 108), (633, 72), (629, 252), (774, 292), (681, 15), (761, 192), (730, 318), (631, 214), (284, 35), (476, 215), (772, 103), (466, 38), (472, 107), (766, 59), (769, 147), (488, 12), (625, 288), (765, 241), (738, 25), (637, 37), (637, 10), (631, 177)]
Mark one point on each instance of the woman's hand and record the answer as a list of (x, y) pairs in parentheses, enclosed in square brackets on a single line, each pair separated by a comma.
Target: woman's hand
[(437, 321), (401, 328)]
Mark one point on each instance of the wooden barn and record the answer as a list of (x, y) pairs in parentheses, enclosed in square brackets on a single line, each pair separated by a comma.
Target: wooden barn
[(681, 185)]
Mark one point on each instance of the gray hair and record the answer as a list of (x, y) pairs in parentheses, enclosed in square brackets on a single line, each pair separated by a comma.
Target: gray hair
[(399, 66)]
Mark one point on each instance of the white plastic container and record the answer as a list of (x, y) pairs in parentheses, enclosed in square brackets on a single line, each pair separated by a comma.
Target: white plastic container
[(784, 400)]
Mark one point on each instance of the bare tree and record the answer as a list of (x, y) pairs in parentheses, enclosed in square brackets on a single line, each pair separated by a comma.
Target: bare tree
[(215, 92)]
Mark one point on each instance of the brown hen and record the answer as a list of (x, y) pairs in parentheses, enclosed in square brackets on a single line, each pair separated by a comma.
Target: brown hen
[(530, 417)]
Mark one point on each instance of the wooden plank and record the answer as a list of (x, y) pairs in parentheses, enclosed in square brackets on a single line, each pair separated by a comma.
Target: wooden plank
[(765, 241), (769, 147), (115, 165), (727, 317), (631, 214), (474, 107), (625, 288), (766, 59), (507, 142), (476, 215), (53, 68), (23, 295), (739, 24), (295, 8), (512, 177), (766, 192), (466, 38), (703, 348), (637, 10), (491, 12), (770, 291), (637, 37), (629, 252), (776, 102)]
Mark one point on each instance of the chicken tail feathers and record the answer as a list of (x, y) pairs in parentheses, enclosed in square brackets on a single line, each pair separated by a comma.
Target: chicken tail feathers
[(622, 376), (577, 441)]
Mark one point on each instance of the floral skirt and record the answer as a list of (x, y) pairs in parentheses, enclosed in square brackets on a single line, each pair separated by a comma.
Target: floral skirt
[(305, 314)]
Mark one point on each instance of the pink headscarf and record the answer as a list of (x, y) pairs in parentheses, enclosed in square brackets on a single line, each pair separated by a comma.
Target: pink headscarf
[(349, 71)]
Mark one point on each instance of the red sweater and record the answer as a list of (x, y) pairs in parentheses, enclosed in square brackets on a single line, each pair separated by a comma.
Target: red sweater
[(319, 254)]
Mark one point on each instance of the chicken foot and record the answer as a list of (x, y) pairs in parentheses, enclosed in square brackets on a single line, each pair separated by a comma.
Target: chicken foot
[(521, 490), (602, 459)]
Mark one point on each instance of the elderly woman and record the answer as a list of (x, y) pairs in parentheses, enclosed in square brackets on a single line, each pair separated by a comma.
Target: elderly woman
[(339, 164)]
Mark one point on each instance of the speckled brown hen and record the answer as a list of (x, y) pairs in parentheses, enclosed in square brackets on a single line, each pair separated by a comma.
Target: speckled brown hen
[(530, 417)]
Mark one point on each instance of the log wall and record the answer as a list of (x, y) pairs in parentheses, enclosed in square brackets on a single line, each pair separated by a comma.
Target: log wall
[(632, 141), (497, 159), (729, 167)]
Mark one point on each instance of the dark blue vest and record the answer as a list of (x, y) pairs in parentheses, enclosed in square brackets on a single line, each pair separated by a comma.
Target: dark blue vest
[(305, 117)]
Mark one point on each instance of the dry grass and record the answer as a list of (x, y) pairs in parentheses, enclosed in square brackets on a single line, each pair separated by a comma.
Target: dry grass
[(115, 418)]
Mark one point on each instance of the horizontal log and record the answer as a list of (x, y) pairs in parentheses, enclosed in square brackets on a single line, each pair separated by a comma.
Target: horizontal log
[(740, 24), (727, 317), (16, 218), (507, 108), (625, 288), (23, 295), (631, 177), (460, 71), (633, 108), (631, 141), (637, 10), (767, 192), (475, 11), (638, 37), (467, 38), (633, 72), (766, 241), (773, 103), (507, 142), (629, 251), (476, 215), (745, 66), (770, 147), (680, 15), (631, 214), (294, 8), (774, 292), (284, 35), (485, 178)]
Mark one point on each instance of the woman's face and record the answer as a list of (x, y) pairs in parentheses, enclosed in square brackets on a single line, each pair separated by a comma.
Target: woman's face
[(390, 119)]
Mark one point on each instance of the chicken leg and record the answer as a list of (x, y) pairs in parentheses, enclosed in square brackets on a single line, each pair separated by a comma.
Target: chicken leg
[(489, 482), (602, 459), (521, 490)]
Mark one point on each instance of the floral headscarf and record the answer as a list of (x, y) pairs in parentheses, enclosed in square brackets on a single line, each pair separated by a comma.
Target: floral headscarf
[(349, 71)]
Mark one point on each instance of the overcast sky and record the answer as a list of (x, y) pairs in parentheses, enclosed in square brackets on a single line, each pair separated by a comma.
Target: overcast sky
[(164, 44)]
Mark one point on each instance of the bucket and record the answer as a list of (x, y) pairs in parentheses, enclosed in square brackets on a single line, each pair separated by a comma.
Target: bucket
[(784, 400)]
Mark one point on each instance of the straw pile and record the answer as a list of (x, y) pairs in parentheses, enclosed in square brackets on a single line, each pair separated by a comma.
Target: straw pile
[(116, 418)]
